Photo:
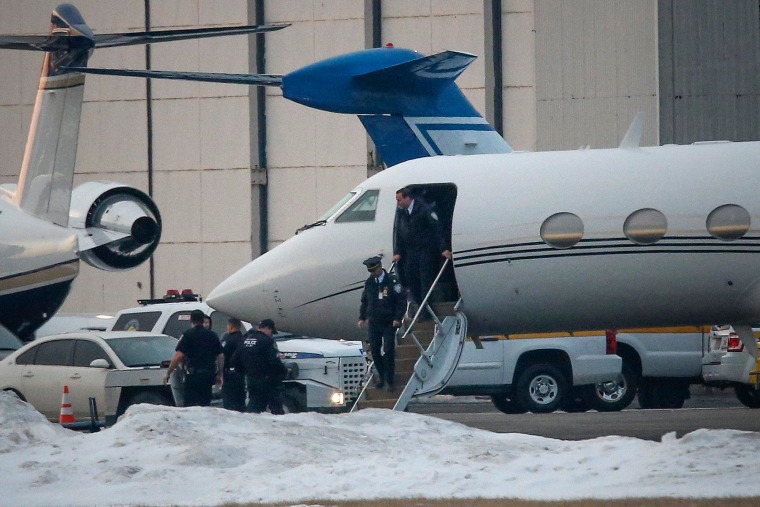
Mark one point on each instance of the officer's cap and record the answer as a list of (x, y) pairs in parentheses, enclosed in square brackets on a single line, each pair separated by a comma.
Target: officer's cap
[(373, 262), (268, 323)]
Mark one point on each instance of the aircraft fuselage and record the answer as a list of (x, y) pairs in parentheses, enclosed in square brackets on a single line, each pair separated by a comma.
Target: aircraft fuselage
[(40, 263), (548, 241)]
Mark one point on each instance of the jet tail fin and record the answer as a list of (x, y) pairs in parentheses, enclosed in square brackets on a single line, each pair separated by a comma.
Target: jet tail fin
[(47, 170), (409, 104)]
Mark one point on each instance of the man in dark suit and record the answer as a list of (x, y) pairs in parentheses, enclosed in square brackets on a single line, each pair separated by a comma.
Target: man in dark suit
[(418, 244)]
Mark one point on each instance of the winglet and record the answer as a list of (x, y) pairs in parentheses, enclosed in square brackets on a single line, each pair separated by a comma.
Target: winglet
[(632, 138)]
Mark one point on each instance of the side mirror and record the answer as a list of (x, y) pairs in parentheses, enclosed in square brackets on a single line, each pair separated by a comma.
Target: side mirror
[(100, 363)]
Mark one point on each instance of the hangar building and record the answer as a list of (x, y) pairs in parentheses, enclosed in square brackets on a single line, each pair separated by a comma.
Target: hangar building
[(236, 170)]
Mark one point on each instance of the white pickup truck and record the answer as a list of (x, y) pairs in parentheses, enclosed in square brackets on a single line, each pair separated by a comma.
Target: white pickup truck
[(660, 365), (325, 374), (536, 374)]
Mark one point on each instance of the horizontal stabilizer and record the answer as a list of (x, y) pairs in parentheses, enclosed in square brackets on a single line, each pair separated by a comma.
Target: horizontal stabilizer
[(63, 41), (25, 42), (428, 72), (209, 77), (130, 39)]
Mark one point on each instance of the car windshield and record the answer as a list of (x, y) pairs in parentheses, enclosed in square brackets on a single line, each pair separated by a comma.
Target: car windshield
[(143, 350)]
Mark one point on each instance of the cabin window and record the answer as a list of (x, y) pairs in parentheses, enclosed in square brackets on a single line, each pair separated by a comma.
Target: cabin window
[(337, 206), (728, 222), (363, 210), (645, 226), (562, 230)]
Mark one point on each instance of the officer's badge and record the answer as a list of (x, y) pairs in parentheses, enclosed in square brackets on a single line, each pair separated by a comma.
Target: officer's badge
[(397, 288)]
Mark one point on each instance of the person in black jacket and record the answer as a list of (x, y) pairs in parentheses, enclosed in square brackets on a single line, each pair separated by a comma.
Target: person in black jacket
[(233, 388), (418, 244), (201, 352), (383, 305), (264, 371)]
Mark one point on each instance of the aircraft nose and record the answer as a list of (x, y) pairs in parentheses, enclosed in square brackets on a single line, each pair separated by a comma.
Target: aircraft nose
[(241, 295)]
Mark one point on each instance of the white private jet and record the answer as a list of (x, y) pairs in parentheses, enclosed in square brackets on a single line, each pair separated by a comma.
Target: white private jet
[(45, 227), (542, 242)]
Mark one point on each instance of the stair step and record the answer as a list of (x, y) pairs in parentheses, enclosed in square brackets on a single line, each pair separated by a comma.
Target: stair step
[(405, 366), (407, 354)]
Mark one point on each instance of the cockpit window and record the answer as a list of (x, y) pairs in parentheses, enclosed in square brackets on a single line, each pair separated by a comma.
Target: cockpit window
[(337, 206), (363, 210)]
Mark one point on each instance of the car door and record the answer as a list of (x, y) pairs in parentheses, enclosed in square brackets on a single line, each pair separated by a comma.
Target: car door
[(43, 379), (86, 381)]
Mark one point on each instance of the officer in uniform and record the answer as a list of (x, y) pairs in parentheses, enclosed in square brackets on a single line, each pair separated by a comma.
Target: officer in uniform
[(418, 244), (201, 352), (383, 305), (264, 371), (233, 388)]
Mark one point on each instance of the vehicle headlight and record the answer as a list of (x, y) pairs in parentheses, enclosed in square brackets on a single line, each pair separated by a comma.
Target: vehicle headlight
[(337, 398)]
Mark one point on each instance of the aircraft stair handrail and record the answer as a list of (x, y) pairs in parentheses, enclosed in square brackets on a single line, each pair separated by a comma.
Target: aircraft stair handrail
[(424, 305), (440, 360)]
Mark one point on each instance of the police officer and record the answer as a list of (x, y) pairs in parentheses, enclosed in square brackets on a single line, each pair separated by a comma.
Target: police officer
[(418, 244), (233, 388), (264, 371), (383, 305), (201, 352)]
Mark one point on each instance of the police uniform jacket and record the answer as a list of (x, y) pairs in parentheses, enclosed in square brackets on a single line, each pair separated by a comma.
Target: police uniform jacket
[(230, 343), (382, 302), (419, 230), (200, 347), (259, 357)]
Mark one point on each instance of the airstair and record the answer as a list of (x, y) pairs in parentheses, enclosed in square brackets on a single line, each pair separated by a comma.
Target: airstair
[(427, 353)]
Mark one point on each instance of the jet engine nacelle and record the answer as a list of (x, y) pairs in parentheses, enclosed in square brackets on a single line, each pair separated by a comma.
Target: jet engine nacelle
[(118, 225)]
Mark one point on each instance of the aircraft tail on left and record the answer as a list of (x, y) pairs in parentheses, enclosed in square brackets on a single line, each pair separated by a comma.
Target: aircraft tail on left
[(109, 225)]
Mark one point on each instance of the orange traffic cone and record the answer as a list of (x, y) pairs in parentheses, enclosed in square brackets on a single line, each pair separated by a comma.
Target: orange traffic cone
[(67, 412)]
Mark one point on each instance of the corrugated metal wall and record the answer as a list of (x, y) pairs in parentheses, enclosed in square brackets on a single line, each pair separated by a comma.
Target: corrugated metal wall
[(596, 67), (709, 70)]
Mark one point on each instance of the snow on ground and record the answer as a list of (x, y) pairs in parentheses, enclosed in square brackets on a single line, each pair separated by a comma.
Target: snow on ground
[(209, 456)]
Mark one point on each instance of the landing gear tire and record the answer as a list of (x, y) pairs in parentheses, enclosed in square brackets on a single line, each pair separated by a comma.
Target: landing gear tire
[(748, 395), (617, 394), (508, 404), (541, 388)]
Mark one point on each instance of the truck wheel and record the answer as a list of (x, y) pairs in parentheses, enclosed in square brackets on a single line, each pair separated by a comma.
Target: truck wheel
[(663, 393), (748, 395), (541, 388), (508, 404), (617, 394)]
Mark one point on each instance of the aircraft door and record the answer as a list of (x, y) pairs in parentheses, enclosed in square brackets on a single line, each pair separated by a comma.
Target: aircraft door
[(441, 198)]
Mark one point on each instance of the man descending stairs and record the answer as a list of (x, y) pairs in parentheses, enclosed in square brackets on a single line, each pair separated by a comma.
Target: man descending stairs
[(426, 357)]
